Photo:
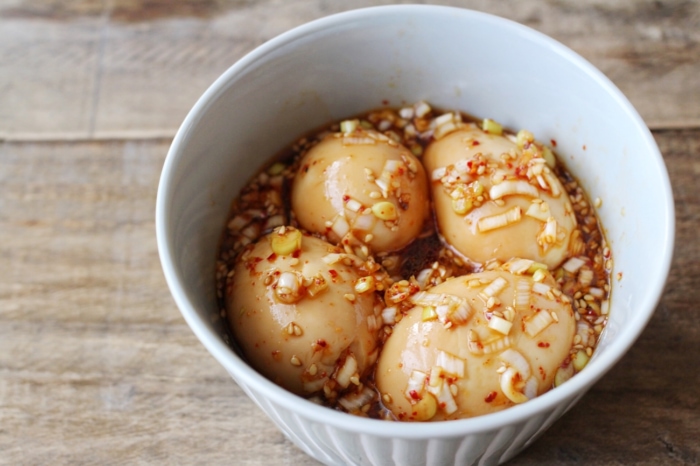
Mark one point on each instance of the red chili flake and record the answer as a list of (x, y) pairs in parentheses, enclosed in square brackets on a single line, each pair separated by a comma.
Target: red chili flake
[(543, 344), (554, 142), (277, 355), (252, 263), (272, 257), (346, 198), (385, 102), (321, 342), (305, 168), (490, 397), (333, 274), (475, 143), (296, 253), (543, 373), (414, 395)]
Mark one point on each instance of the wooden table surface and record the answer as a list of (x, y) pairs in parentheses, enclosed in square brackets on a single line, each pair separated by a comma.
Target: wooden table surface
[(96, 364)]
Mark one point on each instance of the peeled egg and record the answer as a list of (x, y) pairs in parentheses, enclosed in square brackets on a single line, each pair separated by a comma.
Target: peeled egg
[(496, 198), (361, 186), (474, 345), (297, 316)]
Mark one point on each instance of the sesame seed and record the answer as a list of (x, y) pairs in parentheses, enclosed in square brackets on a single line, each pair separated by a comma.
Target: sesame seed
[(350, 297), (295, 361)]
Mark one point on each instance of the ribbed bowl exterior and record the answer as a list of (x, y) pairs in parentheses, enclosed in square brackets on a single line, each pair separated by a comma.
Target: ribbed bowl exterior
[(341, 447)]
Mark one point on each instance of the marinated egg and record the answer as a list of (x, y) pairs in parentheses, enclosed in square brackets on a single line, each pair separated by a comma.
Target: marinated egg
[(476, 344), (361, 187), (498, 198), (304, 313)]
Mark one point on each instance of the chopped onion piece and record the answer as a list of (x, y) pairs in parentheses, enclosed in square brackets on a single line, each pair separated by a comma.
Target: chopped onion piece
[(549, 156), (429, 314), (541, 288), (364, 222), (462, 166), (493, 288), (523, 291), (519, 266), (549, 234), (444, 129), (353, 205), (383, 185), (500, 324), (451, 363), (288, 280), (406, 113), (340, 226), (478, 348), (287, 289), (530, 389), (491, 126), (389, 315), (508, 380), (536, 210), (510, 187), (438, 173), (515, 359), (500, 220), (580, 360), (573, 264), (392, 166), (446, 400), (537, 322), (596, 292), (444, 118), (553, 184), (312, 386), (348, 126), (461, 313), (358, 141), (425, 298), (285, 241), (585, 277), (416, 383), (356, 400), (563, 374), (422, 109), (346, 371)]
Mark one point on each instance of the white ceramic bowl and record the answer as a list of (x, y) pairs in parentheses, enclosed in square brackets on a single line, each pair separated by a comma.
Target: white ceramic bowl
[(352, 62)]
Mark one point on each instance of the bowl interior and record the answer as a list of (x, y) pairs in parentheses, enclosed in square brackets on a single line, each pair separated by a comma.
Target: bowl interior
[(455, 59)]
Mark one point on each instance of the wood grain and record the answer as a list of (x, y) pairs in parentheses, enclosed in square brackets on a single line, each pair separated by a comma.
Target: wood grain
[(133, 69)]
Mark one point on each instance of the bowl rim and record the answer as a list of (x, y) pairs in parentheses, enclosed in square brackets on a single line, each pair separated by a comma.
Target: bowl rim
[(247, 376)]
